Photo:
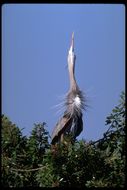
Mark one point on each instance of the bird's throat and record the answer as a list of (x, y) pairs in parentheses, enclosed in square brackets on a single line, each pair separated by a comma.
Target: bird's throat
[(71, 69)]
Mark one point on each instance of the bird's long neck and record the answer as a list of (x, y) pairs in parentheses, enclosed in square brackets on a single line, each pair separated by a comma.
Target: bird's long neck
[(71, 69)]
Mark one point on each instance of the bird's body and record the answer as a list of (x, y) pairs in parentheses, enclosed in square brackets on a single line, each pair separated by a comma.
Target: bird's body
[(71, 122)]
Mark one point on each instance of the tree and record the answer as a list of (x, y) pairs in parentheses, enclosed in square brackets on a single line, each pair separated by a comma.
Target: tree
[(12, 145), (89, 164), (32, 161), (21, 154)]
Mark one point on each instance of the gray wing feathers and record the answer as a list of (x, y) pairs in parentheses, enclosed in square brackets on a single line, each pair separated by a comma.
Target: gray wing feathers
[(62, 126), (67, 124)]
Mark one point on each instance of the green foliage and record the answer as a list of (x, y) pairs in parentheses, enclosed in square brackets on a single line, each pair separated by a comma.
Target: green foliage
[(37, 144), (32, 161), (20, 154), (90, 164), (12, 144)]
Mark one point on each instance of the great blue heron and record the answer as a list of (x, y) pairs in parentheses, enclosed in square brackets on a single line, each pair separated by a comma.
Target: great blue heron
[(71, 122)]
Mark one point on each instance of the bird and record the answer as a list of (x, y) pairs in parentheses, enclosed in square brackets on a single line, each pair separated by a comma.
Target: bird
[(71, 122)]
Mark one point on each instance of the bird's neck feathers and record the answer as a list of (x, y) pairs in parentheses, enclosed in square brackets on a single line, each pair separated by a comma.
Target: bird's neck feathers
[(72, 76), (71, 69)]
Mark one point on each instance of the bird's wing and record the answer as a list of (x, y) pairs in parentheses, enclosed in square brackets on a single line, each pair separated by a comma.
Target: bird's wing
[(63, 125), (67, 124), (79, 127)]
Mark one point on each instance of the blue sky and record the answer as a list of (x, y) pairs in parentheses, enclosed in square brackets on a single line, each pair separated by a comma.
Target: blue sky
[(35, 43)]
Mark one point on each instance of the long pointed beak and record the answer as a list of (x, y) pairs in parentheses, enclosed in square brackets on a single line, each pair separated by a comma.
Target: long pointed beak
[(72, 41)]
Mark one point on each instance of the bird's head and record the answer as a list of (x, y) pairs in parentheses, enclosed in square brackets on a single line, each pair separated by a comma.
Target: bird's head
[(71, 54)]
